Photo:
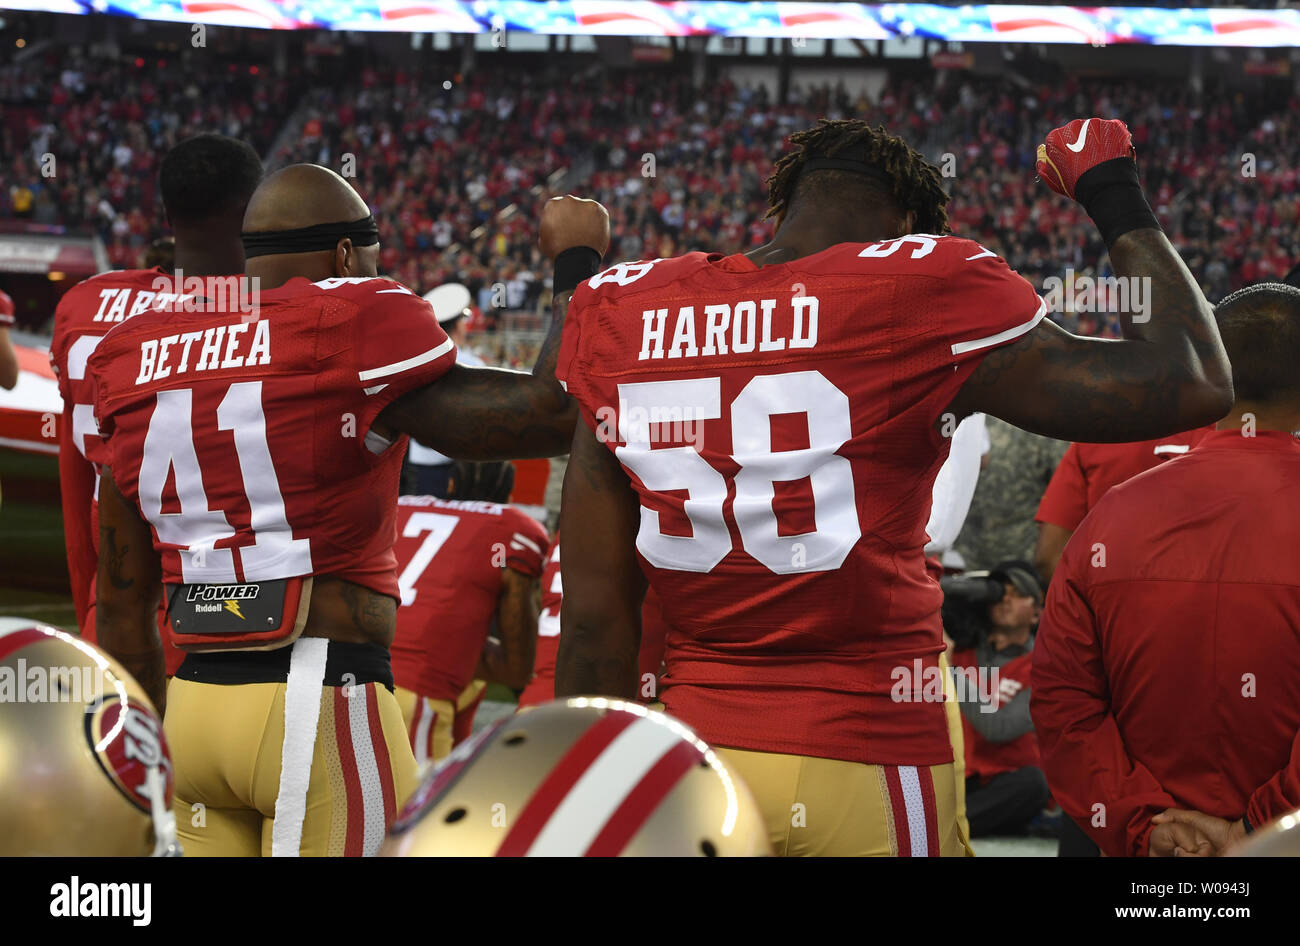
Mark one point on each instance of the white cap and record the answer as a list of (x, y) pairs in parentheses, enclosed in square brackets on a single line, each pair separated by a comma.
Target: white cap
[(449, 301)]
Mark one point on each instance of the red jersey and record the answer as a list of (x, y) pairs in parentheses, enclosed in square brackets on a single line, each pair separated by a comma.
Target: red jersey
[(1167, 663), (449, 561), (84, 315), (541, 689), (780, 426), (1088, 470), (242, 437), (985, 758)]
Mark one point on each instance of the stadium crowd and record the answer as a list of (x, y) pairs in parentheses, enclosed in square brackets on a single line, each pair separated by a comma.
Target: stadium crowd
[(453, 164)]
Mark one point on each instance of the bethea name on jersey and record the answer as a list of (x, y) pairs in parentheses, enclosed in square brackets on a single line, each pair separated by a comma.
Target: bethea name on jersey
[(223, 346), (729, 328)]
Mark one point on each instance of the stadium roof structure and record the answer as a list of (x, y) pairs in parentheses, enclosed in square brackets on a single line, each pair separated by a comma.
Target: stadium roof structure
[(40, 250), (1097, 26)]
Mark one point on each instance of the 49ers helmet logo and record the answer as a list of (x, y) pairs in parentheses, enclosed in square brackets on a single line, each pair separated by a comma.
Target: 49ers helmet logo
[(127, 741)]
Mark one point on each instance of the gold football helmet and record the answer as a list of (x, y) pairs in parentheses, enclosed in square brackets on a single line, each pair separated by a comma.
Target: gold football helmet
[(1279, 839), (586, 776), (84, 767)]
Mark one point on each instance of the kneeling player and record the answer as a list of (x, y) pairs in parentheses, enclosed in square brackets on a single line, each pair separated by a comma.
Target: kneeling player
[(464, 565)]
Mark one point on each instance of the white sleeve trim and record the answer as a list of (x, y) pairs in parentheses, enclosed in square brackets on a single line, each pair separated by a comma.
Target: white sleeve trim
[(398, 367), (521, 541), (962, 347)]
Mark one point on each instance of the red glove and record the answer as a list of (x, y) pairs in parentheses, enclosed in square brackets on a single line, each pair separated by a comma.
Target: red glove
[(6, 310), (1072, 149)]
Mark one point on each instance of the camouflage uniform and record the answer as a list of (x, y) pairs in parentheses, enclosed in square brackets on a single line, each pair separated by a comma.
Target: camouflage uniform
[(1000, 524)]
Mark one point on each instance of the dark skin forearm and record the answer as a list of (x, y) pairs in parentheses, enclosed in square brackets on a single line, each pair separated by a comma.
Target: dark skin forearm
[(492, 413), (128, 591), (510, 660), (1052, 540), (604, 587), (1169, 373)]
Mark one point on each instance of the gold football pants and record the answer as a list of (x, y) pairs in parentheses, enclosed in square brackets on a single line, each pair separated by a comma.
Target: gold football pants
[(818, 807), (287, 769)]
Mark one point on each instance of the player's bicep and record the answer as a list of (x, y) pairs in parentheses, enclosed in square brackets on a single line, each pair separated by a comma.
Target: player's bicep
[(484, 414), (603, 582), (1061, 385)]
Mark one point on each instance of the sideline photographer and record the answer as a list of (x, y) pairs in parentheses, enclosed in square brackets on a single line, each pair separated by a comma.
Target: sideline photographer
[(991, 617)]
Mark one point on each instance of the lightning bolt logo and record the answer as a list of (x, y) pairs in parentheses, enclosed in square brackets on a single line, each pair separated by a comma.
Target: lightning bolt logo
[(233, 608)]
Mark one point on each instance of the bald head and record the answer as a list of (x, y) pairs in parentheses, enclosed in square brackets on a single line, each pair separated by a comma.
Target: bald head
[(302, 195), (305, 220), (1260, 326)]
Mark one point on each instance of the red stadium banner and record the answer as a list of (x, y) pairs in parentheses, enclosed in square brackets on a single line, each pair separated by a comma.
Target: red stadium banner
[(29, 412)]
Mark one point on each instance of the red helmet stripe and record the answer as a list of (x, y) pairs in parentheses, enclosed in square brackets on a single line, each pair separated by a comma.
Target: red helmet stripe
[(16, 640), (560, 780), (642, 801)]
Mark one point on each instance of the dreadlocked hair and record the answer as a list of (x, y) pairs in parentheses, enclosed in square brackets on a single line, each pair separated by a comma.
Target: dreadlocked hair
[(491, 481), (914, 183)]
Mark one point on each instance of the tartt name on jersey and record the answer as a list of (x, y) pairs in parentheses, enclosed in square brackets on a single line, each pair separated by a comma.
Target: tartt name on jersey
[(222, 346), (729, 328)]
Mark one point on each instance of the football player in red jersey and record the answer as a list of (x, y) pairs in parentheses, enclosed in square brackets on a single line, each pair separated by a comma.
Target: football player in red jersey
[(464, 565), (541, 689), (205, 182), (761, 435), (251, 464)]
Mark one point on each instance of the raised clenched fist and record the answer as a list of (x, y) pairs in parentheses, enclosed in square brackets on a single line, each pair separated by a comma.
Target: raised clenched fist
[(1071, 150), (570, 221)]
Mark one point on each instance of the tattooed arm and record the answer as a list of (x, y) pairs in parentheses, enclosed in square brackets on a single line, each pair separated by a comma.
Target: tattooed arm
[(128, 590), (492, 413), (600, 616), (1168, 374)]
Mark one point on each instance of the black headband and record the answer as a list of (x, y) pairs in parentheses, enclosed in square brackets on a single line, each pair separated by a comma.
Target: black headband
[(323, 236), (847, 164)]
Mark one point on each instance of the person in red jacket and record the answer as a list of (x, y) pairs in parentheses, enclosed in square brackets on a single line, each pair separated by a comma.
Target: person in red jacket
[(1166, 673), (1084, 475)]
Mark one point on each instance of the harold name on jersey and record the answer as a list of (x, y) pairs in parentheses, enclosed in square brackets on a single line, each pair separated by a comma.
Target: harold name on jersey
[(729, 328), (221, 346)]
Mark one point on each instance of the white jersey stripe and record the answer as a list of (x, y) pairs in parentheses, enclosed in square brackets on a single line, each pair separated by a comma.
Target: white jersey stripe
[(602, 788), (528, 542), (914, 799), (302, 697), (962, 347), (372, 788), (423, 723), (398, 367)]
